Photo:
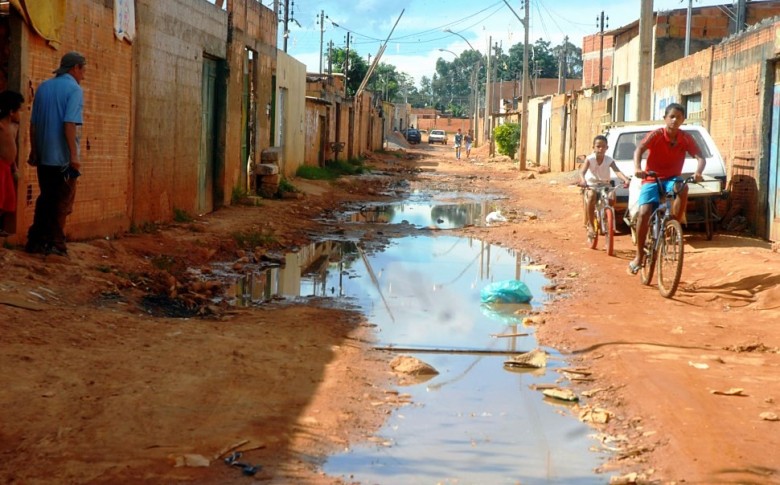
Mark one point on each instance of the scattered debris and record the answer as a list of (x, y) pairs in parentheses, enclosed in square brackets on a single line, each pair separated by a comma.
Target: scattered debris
[(698, 365), (751, 347), (533, 321), (535, 359), (594, 415), (246, 469), (561, 394), (191, 460), (406, 364), (628, 479), (734, 391), (593, 392), (769, 416), (505, 335)]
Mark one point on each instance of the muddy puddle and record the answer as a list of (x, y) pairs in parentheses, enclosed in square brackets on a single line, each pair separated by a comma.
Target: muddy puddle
[(477, 421), (423, 211)]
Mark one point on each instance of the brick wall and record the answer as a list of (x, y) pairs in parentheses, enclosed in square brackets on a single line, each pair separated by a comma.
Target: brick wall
[(731, 77), (592, 57)]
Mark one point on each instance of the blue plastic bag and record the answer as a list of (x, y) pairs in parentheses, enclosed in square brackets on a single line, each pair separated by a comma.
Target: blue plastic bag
[(509, 291)]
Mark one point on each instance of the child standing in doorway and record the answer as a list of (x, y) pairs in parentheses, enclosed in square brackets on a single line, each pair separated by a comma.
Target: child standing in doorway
[(10, 104)]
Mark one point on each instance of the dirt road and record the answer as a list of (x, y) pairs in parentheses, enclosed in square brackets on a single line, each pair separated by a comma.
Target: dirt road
[(100, 386)]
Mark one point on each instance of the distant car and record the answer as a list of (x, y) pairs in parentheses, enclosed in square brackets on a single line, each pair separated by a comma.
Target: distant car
[(413, 136), (437, 136)]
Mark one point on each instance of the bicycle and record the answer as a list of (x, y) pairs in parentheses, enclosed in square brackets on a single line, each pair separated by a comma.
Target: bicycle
[(603, 217), (664, 242)]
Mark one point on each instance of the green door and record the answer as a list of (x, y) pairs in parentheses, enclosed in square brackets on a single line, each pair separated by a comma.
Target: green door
[(207, 137)]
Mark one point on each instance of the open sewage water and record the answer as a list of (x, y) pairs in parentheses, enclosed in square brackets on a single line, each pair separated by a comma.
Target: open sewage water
[(477, 421)]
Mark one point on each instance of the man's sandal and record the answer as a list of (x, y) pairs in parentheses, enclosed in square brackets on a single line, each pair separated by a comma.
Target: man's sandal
[(633, 268)]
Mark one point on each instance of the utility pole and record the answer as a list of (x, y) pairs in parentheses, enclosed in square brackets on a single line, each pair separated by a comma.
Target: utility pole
[(645, 61), (601, 49), (741, 15), (322, 33), (346, 67), (330, 59), (689, 14), (562, 67), (488, 91), (525, 90), (286, 23)]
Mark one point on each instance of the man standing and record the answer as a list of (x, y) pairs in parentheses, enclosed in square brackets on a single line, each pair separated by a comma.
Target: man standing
[(54, 139)]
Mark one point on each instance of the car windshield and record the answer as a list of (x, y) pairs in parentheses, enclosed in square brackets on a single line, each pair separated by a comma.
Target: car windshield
[(627, 142)]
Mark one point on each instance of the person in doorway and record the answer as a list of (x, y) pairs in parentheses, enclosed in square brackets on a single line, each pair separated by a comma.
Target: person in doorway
[(10, 104), (55, 126), (458, 143), (468, 139), (595, 170), (668, 147)]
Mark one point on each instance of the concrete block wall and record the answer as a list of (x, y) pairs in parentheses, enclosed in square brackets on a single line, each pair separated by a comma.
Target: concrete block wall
[(291, 77), (105, 188), (173, 38), (253, 26)]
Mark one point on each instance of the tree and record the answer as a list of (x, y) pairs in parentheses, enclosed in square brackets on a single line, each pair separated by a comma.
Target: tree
[(453, 84), (357, 67), (507, 138)]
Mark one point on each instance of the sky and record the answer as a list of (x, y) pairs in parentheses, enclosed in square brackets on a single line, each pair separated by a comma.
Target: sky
[(415, 43)]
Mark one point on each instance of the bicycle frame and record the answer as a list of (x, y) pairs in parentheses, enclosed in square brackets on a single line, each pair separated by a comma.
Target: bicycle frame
[(603, 217), (664, 243)]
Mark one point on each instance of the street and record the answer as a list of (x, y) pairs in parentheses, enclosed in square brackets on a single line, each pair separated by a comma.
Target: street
[(100, 386)]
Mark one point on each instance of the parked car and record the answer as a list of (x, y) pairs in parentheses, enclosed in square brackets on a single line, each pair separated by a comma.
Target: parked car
[(437, 136), (624, 138), (413, 136)]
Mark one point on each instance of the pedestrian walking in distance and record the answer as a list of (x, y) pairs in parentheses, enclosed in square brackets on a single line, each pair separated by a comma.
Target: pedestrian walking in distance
[(458, 143)]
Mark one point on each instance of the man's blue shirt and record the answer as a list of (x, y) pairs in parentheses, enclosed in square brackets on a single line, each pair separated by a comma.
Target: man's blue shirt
[(59, 100)]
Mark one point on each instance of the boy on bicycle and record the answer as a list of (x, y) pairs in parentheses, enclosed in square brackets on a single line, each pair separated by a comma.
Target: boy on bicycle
[(667, 146), (595, 170)]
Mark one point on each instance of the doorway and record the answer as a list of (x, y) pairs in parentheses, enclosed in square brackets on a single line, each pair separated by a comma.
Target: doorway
[(209, 190)]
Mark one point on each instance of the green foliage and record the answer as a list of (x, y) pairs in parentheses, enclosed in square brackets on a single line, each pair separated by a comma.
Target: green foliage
[(167, 263), (286, 186), (252, 238), (145, 228), (238, 194), (180, 215), (315, 173), (507, 138), (332, 169), (357, 68)]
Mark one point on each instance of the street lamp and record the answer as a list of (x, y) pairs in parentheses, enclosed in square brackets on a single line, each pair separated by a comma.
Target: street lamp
[(449, 31), (474, 90), (446, 50)]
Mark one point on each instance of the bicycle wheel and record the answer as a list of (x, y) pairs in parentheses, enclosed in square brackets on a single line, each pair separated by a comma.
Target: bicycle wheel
[(593, 234), (670, 258), (609, 231)]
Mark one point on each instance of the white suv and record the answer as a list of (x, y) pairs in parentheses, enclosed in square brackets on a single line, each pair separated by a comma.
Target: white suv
[(437, 136), (623, 139)]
